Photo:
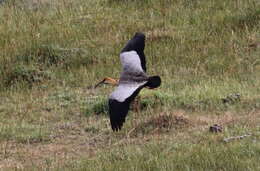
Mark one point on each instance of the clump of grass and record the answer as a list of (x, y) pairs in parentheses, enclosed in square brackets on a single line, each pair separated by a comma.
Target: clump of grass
[(92, 130), (63, 98), (26, 75), (43, 55), (49, 55), (97, 106)]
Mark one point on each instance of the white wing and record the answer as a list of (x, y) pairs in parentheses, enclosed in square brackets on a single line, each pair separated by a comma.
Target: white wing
[(131, 62), (123, 91), (132, 80)]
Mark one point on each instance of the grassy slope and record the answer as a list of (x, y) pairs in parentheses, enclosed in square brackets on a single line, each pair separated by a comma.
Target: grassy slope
[(52, 51)]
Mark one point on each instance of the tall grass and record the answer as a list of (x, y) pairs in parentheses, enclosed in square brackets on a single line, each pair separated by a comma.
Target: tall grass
[(205, 38)]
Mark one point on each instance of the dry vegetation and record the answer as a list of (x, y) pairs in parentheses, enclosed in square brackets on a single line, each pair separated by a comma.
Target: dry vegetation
[(53, 52)]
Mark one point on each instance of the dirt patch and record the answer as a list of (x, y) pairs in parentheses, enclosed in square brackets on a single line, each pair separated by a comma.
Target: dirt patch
[(162, 123), (169, 121)]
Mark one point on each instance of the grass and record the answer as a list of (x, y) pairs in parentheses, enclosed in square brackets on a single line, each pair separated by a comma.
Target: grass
[(53, 52), (177, 157), (24, 133)]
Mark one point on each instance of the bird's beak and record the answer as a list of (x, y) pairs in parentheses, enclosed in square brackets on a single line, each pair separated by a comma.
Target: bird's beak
[(101, 82), (107, 80)]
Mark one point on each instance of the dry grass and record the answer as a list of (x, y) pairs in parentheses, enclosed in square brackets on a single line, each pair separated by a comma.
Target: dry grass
[(53, 52)]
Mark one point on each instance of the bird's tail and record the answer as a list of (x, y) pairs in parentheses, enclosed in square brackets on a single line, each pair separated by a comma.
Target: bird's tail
[(153, 82)]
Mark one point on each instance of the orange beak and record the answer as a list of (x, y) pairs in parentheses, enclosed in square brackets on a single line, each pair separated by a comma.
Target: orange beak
[(107, 80)]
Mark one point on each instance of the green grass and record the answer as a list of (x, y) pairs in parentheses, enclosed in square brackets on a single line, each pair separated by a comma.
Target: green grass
[(53, 53), (173, 156)]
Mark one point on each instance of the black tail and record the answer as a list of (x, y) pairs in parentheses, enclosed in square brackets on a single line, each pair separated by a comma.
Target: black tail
[(154, 82)]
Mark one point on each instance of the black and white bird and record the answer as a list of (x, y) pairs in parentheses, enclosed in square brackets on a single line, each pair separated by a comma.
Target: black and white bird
[(132, 79)]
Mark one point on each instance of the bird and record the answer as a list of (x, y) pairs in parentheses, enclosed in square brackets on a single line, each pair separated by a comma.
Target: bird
[(133, 79)]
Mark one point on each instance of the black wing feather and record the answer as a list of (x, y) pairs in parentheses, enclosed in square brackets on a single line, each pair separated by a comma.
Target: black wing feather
[(137, 43), (118, 110), (117, 113)]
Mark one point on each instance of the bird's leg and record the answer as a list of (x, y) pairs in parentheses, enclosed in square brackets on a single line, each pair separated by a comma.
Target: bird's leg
[(107, 80), (136, 107), (136, 104)]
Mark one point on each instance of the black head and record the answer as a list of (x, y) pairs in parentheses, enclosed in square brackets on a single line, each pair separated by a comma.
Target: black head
[(154, 82), (137, 43), (140, 41)]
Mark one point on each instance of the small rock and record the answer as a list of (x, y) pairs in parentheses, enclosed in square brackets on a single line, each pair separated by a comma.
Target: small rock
[(232, 98), (215, 128)]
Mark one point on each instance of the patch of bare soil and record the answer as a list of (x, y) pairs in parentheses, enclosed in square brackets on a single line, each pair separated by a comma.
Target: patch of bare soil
[(162, 123)]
